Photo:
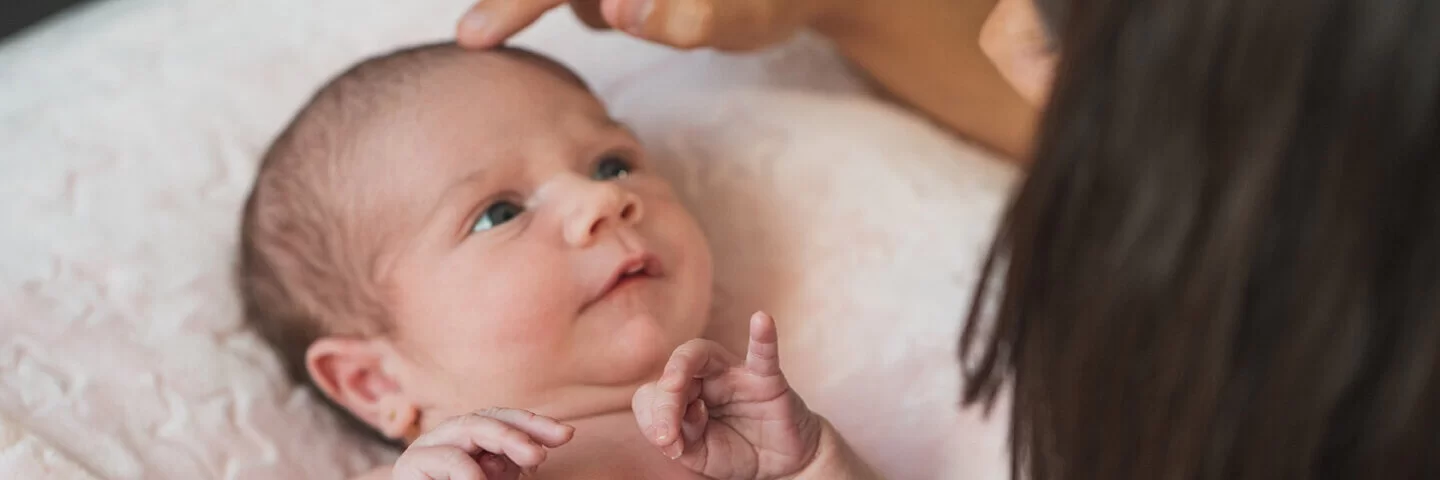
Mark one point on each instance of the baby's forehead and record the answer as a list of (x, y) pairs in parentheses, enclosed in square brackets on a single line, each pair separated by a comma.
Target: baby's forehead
[(423, 107), (440, 73), (481, 100), (502, 72), (472, 114), (487, 105)]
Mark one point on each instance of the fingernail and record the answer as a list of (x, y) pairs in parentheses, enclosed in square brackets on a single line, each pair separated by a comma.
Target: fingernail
[(640, 11), (684, 22), (696, 412), (674, 450), (671, 378), (662, 432), (474, 22)]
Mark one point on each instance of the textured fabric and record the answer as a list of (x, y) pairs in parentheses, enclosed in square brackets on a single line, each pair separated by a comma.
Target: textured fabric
[(129, 134), (23, 455)]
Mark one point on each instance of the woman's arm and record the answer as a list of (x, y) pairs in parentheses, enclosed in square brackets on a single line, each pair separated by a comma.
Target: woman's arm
[(927, 54)]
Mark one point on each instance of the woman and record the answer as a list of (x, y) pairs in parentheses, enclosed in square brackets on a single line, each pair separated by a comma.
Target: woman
[(1225, 261)]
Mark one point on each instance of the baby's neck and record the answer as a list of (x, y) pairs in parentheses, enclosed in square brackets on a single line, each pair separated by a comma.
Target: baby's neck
[(610, 446)]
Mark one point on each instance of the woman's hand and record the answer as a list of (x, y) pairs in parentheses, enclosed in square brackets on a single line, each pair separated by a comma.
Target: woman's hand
[(732, 418), (723, 24), (495, 444)]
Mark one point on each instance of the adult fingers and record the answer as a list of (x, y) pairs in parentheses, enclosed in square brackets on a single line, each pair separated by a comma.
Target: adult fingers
[(725, 24), (490, 22), (589, 12)]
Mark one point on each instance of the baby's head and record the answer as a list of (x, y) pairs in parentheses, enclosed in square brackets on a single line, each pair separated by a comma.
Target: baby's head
[(441, 230)]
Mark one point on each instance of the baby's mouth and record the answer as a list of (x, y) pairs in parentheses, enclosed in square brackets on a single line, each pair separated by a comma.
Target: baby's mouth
[(635, 269)]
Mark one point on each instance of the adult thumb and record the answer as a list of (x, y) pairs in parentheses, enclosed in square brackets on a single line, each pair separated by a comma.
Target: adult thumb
[(724, 24), (589, 12)]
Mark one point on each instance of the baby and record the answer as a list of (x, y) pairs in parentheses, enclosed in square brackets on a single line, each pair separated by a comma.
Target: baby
[(466, 254)]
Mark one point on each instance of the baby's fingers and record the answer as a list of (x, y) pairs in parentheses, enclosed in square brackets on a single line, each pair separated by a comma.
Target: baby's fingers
[(692, 360), (451, 463), (661, 414), (515, 434), (548, 431), (763, 356)]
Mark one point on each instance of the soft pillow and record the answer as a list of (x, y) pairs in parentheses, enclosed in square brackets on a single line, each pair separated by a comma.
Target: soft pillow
[(129, 134)]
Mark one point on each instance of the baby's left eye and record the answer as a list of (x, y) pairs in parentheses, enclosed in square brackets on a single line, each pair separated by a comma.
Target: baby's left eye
[(612, 167)]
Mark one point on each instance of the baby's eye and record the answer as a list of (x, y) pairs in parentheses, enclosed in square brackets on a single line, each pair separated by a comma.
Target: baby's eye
[(496, 214), (611, 167)]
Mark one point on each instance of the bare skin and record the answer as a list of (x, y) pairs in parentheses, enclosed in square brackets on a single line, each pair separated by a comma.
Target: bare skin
[(711, 414), (895, 42), (924, 53), (979, 67), (603, 447)]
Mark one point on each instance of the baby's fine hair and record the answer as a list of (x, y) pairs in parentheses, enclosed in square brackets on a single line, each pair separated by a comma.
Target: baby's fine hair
[(306, 271)]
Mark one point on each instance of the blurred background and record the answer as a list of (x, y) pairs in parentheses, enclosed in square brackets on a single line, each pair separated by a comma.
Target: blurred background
[(15, 15)]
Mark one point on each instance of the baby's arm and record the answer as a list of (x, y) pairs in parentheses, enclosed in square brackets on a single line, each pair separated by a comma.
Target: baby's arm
[(927, 54)]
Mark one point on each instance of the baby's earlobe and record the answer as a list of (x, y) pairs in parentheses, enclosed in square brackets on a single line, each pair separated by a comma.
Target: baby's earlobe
[(401, 422)]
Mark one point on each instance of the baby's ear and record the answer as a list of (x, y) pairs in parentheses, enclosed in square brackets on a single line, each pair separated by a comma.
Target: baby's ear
[(351, 371)]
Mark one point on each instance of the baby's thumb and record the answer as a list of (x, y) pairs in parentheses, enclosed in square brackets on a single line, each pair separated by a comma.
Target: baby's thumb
[(641, 404), (693, 424), (496, 467)]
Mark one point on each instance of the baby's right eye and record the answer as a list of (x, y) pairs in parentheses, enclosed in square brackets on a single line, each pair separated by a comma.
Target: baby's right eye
[(496, 214)]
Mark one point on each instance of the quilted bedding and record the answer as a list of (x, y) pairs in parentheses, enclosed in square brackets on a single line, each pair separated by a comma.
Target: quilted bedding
[(129, 133)]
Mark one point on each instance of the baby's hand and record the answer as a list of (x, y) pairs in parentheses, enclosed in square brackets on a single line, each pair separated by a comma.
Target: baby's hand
[(494, 444), (727, 418)]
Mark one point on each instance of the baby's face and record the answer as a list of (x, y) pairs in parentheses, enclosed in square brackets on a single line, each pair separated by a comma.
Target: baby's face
[(539, 261)]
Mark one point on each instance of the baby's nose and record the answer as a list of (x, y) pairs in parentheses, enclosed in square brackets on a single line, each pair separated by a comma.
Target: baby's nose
[(598, 206)]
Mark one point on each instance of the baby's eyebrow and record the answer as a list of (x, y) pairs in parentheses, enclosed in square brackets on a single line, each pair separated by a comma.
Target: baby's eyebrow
[(448, 197), (470, 179), (618, 125)]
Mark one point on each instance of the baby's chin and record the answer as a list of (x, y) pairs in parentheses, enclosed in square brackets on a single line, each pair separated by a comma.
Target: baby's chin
[(634, 351)]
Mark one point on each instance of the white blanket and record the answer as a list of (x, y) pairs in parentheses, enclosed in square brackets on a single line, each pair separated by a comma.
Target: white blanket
[(128, 139), (23, 455)]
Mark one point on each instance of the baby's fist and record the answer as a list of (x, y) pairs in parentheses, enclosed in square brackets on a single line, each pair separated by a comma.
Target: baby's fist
[(726, 417), (494, 444)]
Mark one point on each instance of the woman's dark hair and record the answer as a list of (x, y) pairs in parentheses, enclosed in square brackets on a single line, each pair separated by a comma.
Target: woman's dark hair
[(1225, 261)]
